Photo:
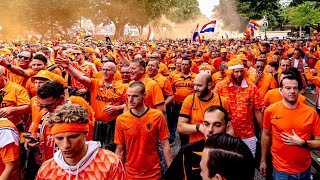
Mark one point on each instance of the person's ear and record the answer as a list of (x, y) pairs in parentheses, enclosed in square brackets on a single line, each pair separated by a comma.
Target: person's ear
[(218, 177), (280, 91)]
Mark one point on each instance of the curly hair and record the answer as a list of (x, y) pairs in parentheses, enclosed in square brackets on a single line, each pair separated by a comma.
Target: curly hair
[(69, 113)]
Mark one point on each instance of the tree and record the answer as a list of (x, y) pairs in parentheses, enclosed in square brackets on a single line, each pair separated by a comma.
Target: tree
[(184, 11), (304, 14)]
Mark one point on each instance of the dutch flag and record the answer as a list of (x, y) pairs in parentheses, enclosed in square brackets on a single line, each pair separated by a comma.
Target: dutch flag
[(209, 27), (196, 35)]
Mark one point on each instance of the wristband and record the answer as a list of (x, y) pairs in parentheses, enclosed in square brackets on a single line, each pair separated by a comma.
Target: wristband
[(197, 127), (305, 144)]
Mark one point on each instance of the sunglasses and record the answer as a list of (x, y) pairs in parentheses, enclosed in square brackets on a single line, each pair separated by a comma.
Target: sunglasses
[(259, 66), (76, 54), (24, 57), (49, 106)]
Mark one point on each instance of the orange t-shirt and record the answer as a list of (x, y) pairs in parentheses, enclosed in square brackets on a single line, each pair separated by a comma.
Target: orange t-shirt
[(104, 165), (19, 79), (140, 135), (306, 123), (164, 84), (193, 109), (163, 69), (14, 95), (265, 83), (154, 95), (216, 77), (182, 86), (9, 151), (243, 101), (273, 96), (86, 69), (102, 96)]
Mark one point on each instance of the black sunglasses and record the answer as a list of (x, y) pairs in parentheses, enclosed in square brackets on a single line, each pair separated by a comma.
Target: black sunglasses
[(76, 54), (24, 57), (259, 66)]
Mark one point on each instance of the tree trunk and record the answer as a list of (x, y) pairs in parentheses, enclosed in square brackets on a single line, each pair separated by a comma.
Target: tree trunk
[(119, 30)]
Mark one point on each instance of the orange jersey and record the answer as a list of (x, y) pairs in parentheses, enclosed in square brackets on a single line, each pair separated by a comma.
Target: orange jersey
[(306, 123), (243, 101), (9, 144), (102, 96), (164, 84), (19, 79), (13, 94), (273, 96), (154, 95), (140, 135), (163, 69), (182, 86), (265, 83), (103, 165), (86, 69), (193, 109), (216, 77)]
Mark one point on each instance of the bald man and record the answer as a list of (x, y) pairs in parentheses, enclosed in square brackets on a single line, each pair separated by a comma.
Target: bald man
[(191, 114), (14, 101), (107, 99)]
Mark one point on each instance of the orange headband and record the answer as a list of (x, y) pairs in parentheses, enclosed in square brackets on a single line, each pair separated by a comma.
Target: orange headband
[(69, 127)]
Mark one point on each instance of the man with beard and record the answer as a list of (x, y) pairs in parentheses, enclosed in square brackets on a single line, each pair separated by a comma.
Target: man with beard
[(245, 102), (194, 106)]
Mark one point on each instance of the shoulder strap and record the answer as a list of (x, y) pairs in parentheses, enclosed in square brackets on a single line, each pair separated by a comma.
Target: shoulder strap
[(194, 94), (52, 67), (220, 101)]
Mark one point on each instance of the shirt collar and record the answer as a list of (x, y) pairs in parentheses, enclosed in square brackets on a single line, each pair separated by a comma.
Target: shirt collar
[(244, 84)]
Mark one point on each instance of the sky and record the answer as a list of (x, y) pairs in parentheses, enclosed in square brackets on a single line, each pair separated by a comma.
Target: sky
[(206, 6)]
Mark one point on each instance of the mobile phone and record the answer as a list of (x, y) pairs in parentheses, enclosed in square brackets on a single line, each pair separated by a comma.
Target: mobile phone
[(33, 140)]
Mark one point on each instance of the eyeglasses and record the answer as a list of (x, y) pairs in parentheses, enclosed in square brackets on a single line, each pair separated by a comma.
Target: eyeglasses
[(49, 106), (76, 54), (259, 66), (24, 57)]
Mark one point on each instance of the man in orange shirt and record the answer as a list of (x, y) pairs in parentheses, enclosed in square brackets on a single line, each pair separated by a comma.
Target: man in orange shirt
[(137, 134), (14, 101), (194, 106), (263, 81), (9, 150), (154, 96), (21, 63), (125, 74), (182, 85), (107, 99), (246, 103), (223, 58), (220, 75), (273, 95), (69, 126), (284, 122)]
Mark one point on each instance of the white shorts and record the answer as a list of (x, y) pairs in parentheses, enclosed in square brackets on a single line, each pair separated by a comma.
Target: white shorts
[(252, 144)]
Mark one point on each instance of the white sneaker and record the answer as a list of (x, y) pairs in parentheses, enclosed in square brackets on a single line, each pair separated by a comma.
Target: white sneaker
[(313, 92)]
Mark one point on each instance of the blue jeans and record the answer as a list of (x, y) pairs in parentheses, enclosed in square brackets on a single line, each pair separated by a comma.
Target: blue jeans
[(277, 175)]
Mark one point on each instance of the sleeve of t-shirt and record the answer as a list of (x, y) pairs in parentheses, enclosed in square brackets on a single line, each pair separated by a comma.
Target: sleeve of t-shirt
[(93, 85), (316, 124), (23, 97), (157, 95), (266, 99), (267, 118), (9, 153), (167, 88), (163, 132), (273, 83), (118, 134), (186, 109), (258, 101)]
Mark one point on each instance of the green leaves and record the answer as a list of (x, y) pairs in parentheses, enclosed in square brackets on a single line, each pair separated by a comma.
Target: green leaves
[(304, 14)]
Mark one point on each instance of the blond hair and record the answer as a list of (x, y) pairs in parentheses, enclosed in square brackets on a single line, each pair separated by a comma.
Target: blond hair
[(69, 113)]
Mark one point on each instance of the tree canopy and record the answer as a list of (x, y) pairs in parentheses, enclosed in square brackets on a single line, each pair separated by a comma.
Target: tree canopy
[(304, 14)]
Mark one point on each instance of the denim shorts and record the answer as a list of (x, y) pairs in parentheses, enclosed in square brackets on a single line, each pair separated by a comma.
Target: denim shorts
[(277, 175)]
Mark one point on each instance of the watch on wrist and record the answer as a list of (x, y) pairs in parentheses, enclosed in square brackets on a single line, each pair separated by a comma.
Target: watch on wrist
[(197, 127), (305, 144), (8, 65)]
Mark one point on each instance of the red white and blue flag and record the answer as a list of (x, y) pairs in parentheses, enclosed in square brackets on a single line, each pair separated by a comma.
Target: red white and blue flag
[(196, 35), (253, 24), (209, 27), (150, 34)]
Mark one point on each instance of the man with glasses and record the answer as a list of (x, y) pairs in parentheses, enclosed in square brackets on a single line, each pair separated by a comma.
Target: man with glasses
[(19, 68), (125, 74), (85, 68), (264, 81)]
